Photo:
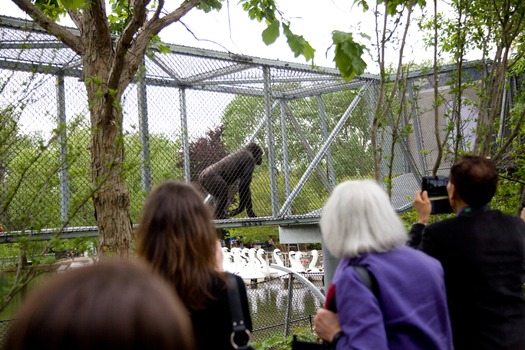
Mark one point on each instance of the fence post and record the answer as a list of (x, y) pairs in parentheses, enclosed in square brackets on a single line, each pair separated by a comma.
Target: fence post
[(185, 140), (62, 137), (271, 140), (142, 100), (284, 136), (288, 306)]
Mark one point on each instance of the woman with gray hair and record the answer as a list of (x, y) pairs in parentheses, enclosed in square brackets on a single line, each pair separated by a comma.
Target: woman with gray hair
[(384, 295)]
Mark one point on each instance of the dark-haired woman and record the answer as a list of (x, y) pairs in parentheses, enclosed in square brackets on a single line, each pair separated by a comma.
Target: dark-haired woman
[(177, 237)]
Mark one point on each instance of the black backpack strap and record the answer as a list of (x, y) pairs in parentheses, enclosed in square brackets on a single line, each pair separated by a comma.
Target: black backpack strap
[(241, 336), (368, 279)]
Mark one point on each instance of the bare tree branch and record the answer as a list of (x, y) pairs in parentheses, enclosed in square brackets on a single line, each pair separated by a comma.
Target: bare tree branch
[(76, 17), (51, 26), (151, 28), (510, 139), (158, 10), (124, 42)]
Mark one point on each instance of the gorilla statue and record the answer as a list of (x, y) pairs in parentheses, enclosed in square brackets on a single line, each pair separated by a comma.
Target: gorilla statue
[(234, 170)]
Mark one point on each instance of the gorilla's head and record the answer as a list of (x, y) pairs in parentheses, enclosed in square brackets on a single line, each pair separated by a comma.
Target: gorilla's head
[(256, 152)]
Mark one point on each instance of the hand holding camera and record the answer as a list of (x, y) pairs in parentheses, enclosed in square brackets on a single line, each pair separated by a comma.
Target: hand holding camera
[(432, 199), (422, 206)]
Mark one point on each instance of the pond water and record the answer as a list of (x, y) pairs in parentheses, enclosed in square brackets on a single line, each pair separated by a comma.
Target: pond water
[(6, 281), (275, 308)]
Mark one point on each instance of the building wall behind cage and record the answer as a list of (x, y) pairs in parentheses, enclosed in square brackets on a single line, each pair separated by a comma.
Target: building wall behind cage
[(423, 143)]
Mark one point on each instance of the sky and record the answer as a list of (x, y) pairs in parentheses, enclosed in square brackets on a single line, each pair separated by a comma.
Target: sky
[(231, 30)]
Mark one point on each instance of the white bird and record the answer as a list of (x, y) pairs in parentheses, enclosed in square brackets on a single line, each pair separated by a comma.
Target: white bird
[(295, 261), (252, 271), (254, 259), (312, 267), (244, 255), (238, 261), (227, 261), (277, 257), (314, 273), (274, 273), (263, 264)]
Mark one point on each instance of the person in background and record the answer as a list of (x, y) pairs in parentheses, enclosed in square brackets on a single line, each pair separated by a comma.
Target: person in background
[(111, 305), (483, 255), (271, 244), (404, 306), (177, 237)]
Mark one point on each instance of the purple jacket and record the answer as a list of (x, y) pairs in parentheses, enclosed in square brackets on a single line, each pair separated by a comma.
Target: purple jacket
[(410, 311)]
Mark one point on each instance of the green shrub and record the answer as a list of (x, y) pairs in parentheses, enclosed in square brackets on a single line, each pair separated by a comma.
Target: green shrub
[(285, 343)]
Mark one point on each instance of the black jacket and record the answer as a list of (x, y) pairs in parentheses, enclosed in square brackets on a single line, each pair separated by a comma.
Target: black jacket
[(483, 256), (213, 325)]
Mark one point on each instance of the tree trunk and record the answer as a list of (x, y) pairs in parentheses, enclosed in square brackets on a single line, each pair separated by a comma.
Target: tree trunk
[(111, 199)]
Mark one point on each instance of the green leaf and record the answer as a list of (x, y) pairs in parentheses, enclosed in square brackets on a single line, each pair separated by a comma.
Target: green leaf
[(210, 5), (163, 48), (120, 16), (73, 4), (298, 44), (51, 8), (260, 9), (363, 4), (271, 33), (348, 55)]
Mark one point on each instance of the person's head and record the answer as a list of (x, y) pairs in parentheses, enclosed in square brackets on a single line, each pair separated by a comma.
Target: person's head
[(474, 180), (358, 218), (177, 237), (110, 305)]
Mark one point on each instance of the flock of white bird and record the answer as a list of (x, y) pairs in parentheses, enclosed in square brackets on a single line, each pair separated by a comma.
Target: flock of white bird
[(251, 264)]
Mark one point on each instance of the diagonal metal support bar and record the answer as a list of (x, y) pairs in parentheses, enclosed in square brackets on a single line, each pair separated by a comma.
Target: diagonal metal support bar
[(306, 145), (323, 150)]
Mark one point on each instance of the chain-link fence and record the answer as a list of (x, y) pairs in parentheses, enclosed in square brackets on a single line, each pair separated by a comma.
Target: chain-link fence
[(186, 112), (279, 306), (4, 329), (189, 108)]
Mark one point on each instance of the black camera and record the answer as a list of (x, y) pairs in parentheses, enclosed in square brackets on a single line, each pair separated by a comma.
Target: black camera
[(436, 187)]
